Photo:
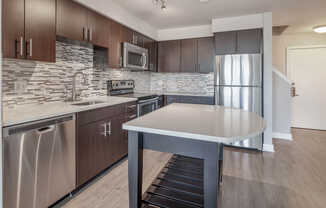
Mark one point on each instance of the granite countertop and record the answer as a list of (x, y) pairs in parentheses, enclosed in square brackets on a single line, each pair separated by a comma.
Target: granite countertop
[(34, 112), (203, 94), (200, 122)]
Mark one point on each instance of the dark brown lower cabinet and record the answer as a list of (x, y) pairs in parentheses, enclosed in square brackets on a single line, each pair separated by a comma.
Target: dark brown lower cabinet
[(100, 142)]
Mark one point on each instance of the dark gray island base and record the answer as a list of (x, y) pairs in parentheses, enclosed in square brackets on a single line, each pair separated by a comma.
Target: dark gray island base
[(205, 172), (191, 178)]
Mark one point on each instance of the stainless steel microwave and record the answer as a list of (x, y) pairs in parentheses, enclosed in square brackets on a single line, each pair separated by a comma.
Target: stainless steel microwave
[(134, 57)]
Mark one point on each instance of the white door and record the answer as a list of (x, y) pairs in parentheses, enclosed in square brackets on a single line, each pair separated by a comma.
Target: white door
[(307, 69)]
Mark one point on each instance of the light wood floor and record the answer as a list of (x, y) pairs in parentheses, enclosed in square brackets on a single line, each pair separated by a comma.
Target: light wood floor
[(292, 177)]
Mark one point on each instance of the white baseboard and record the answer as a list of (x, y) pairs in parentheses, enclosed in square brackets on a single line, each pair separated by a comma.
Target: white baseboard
[(284, 136), (268, 148)]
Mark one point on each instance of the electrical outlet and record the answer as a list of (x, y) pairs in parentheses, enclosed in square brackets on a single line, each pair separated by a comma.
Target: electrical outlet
[(21, 86)]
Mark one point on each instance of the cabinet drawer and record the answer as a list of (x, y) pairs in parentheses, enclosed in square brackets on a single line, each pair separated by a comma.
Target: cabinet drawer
[(131, 111), (99, 114)]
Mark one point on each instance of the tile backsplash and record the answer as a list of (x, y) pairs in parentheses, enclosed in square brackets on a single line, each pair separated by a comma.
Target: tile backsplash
[(27, 82)]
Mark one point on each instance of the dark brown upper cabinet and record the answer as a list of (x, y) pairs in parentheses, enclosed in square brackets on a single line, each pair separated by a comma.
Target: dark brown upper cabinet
[(226, 43), (237, 42), (77, 22), (72, 20), (205, 55), (98, 29), (13, 34), (169, 56), (29, 29), (115, 50), (188, 55), (151, 45), (126, 34), (138, 39), (249, 41)]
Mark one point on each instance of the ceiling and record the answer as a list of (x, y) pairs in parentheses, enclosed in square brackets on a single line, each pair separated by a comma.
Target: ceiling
[(300, 15)]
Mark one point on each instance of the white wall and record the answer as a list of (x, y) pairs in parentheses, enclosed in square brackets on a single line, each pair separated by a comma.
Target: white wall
[(268, 81), (121, 15), (185, 32), (282, 42), (238, 23), (281, 106)]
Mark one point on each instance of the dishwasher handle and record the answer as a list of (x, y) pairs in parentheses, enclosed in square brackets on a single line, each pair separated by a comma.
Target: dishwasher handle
[(41, 126)]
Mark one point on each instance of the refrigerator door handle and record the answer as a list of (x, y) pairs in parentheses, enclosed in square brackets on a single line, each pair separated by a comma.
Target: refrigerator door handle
[(217, 66)]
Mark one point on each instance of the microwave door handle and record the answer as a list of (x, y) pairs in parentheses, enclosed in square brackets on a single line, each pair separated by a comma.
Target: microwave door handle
[(144, 60)]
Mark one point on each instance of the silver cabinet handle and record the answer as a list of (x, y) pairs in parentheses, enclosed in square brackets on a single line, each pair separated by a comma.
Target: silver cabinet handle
[(90, 35), (120, 63), (85, 33), (109, 128), (105, 130), (31, 47), (30, 43), (133, 116), (21, 46)]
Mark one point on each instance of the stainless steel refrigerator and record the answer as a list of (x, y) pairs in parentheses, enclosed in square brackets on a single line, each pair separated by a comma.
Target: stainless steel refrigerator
[(239, 84)]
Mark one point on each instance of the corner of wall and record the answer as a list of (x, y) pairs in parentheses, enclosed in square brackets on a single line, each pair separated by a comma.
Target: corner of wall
[(268, 78), (268, 148)]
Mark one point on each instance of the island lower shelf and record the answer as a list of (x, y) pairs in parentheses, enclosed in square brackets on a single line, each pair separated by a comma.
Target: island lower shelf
[(178, 185)]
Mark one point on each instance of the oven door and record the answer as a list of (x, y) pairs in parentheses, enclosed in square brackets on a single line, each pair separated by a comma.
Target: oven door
[(147, 106), (135, 57)]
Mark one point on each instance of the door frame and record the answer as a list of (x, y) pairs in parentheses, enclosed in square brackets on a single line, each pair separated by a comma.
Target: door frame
[(288, 49)]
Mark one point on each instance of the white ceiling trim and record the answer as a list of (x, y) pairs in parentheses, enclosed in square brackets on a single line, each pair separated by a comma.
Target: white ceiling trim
[(238, 23), (114, 11), (185, 32)]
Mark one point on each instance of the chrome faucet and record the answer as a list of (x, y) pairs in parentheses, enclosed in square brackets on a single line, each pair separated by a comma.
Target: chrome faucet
[(74, 95)]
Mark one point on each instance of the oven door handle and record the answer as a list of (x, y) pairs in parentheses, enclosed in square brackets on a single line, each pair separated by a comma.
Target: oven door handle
[(148, 101)]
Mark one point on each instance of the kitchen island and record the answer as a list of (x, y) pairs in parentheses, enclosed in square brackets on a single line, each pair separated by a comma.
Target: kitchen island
[(194, 133)]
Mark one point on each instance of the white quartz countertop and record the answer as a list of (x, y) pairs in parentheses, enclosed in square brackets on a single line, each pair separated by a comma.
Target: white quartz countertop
[(34, 112), (200, 122)]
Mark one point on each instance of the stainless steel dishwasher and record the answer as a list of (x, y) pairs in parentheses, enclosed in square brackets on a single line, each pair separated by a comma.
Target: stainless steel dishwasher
[(39, 162)]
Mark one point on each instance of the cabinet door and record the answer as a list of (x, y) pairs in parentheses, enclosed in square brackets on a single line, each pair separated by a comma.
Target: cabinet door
[(115, 45), (226, 43), (98, 29), (40, 30), (188, 55), (169, 56), (71, 20), (118, 145), (104, 156), (126, 34), (249, 41), (138, 39), (86, 152), (151, 46), (205, 55), (13, 29)]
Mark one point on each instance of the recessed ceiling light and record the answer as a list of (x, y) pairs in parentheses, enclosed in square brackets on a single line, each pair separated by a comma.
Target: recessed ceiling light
[(203, 1), (320, 29)]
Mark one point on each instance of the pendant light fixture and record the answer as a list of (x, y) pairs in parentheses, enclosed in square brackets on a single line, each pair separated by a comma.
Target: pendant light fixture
[(160, 3)]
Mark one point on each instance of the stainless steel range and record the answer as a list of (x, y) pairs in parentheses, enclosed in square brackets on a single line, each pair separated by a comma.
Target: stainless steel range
[(146, 103)]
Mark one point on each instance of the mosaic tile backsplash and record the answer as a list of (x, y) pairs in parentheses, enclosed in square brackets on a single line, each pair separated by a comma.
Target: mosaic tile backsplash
[(27, 82)]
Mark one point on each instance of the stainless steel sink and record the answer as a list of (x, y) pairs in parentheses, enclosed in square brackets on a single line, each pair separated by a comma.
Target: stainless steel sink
[(86, 103)]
